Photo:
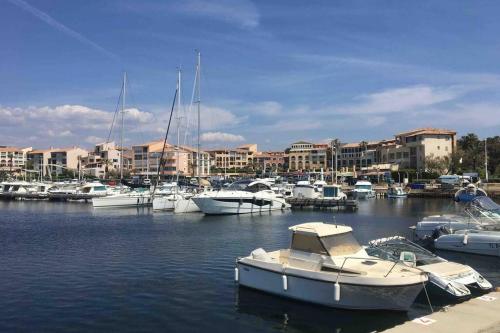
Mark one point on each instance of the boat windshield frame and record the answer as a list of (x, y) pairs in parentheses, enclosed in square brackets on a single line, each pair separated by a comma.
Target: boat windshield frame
[(391, 250), (363, 187)]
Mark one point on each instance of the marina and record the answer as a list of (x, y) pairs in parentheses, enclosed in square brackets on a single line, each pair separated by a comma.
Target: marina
[(71, 260)]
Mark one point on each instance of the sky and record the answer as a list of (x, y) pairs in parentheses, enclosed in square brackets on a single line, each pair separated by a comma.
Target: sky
[(272, 72)]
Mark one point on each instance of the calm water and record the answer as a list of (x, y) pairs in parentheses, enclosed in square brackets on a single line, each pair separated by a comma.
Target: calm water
[(68, 267)]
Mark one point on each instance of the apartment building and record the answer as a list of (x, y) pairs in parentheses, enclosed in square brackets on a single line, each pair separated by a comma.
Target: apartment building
[(269, 160), (406, 150), (180, 160), (236, 158), (65, 159), (304, 155), (106, 157), (13, 159)]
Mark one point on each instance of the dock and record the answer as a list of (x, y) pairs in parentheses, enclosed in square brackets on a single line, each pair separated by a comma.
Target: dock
[(47, 196), (479, 314), (302, 203)]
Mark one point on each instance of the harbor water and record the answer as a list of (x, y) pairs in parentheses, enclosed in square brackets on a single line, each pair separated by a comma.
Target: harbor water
[(69, 267)]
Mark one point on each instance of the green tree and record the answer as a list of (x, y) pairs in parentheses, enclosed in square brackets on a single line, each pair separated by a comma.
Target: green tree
[(437, 165)]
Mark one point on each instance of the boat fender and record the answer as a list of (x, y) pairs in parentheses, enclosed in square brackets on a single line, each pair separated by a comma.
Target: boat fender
[(236, 274), (285, 282), (283, 206), (466, 238), (336, 291)]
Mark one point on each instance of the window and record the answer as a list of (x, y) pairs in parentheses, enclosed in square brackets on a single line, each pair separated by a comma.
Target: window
[(438, 147), (341, 244), (307, 243)]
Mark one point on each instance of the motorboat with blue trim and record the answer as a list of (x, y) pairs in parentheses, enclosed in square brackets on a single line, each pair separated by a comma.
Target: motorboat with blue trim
[(326, 265), (469, 193), (333, 192), (242, 197), (482, 242), (446, 278)]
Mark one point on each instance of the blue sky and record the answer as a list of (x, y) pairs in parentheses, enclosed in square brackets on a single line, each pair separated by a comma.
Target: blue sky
[(273, 72)]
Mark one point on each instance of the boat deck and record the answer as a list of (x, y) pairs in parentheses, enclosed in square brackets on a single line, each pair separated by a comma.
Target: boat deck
[(480, 314)]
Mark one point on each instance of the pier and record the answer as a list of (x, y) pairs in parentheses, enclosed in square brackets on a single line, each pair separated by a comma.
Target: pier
[(47, 196), (479, 314), (302, 203)]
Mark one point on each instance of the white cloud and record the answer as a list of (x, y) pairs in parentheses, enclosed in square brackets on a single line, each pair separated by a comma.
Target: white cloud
[(221, 137), (241, 12), (402, 99), (266, 108), (94, 139)]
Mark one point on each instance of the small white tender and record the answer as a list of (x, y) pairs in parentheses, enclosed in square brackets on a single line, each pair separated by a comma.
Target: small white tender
[(326, 265)]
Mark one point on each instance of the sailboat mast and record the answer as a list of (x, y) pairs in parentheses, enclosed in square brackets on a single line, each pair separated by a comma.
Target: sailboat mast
[(486, 158), (123, 123), (198, 74), (178, 120)]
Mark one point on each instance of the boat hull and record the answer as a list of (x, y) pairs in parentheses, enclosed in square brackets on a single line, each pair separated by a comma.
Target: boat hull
[(352, 296), (121, 201), (220, 206), (164, 202), (475, 244), (186, 205)]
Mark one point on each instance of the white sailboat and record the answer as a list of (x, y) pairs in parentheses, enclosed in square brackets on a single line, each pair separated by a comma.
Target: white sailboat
[(129, 199)]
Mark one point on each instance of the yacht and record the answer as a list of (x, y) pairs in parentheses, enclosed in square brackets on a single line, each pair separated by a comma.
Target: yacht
[(363, 189), (468, 193), (165, 196), (446, 278), (186, 204), (135, 198), (396, 192), (244, 196), (304, 189), (473, 241), (326, 265), (333, 192)]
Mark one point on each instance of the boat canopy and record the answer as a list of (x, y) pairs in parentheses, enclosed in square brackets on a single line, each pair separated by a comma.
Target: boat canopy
[(485, 202), (326, 239)]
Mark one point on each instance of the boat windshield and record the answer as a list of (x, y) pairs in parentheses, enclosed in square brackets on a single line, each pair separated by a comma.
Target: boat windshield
[(240, 185), (392, 249), (341, 244), (363, 187)]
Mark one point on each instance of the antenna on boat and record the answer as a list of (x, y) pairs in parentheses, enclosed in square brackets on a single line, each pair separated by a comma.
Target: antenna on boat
[(123, 122), (198, 102)]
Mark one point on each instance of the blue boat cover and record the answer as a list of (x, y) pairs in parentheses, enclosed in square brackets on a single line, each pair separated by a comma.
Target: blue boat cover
[(486, 203)]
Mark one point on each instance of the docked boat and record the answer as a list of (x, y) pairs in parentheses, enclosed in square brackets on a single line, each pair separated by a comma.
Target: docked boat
[(333, 192), (363, 189), (244, 196), (480, 242), (446, 278), (396, 192), (326, 265), (304, 189), (469, 193), (130, 199), (165, 196)]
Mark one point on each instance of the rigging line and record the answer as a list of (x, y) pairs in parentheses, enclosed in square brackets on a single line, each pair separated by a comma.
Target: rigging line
[(165, 143), (114, 114)]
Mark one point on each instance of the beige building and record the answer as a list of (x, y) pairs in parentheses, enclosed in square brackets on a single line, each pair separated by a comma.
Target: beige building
[(269, 160), (55, 160), (237, 158), (13, 158), (408, 150), (309, 156), (181, 160), (106, 157)]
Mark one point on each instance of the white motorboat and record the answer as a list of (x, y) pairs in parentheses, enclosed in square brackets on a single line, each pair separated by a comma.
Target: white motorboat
[(470, 241), (326, 265), (244, 196), (445, 277), (304, 189), (130, 199), (396, 192), (333, 192), (363, 189), (165, 196)]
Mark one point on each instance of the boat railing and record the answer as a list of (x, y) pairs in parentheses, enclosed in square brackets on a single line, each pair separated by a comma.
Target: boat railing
[(366, 259)]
